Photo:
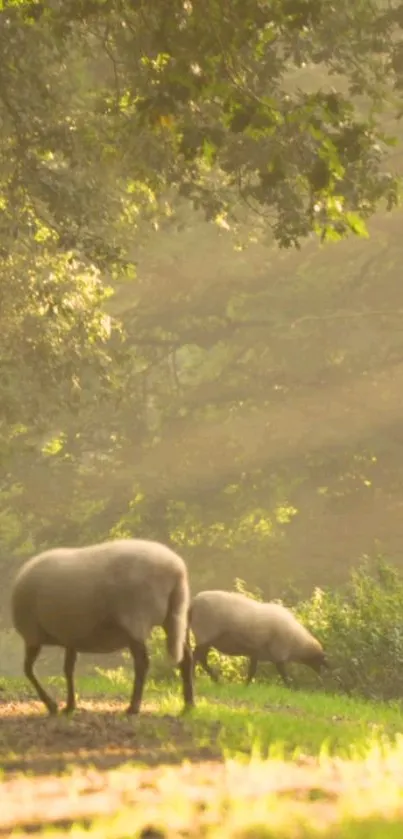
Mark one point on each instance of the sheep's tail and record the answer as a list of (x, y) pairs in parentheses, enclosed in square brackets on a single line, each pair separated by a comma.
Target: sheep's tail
[(177, 621)]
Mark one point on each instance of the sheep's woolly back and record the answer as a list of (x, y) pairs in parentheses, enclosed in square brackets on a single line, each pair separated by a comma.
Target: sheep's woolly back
[(216, 612), (269, 629), (92, 598)]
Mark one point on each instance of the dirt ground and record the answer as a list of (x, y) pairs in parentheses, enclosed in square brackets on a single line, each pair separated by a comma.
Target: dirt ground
[(162, 801), (58, 772), (99, 735)]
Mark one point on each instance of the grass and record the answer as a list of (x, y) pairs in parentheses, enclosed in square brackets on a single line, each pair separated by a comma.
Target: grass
[(262, 761)]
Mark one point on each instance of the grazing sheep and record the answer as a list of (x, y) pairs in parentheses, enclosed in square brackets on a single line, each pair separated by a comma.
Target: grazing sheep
[(237, 625), (100, 599)]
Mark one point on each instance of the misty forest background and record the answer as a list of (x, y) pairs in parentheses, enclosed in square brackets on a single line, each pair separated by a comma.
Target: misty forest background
[(198, 341)]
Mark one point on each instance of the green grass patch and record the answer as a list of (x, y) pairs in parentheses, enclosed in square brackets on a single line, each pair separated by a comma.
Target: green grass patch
[(270, 717), (240, 719)]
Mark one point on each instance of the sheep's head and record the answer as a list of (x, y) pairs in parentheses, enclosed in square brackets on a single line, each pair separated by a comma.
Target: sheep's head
[(317, 660)]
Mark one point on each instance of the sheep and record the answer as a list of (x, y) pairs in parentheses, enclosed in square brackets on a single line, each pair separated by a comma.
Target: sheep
[(100, 599), (237, 625)]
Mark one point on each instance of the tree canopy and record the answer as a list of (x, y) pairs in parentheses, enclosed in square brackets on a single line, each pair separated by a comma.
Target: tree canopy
[(103, 101), (153, 378)]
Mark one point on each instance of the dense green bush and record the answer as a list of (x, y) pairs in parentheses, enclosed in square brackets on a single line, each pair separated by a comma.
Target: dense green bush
[(362, 630)]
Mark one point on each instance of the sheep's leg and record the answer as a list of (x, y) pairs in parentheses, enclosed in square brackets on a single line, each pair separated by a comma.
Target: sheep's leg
[(70, 658), (280, 667), (186, 671), (253, 662), (200, 657), (31, 654), (141, 664)]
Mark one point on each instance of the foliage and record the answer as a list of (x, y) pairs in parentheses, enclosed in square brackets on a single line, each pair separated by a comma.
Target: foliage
[(201, 103), (362, 630), (54, 338), (220, 400)]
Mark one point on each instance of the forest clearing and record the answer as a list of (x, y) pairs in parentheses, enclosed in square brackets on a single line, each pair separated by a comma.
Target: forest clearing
[(201, 344)]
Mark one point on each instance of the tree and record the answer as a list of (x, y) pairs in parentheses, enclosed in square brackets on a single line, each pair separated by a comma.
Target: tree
[(162, 417), (103, 98)]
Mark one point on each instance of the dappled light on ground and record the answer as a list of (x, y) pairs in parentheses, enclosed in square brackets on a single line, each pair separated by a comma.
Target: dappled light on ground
[(248, 762), (198, 797), (98, 734)]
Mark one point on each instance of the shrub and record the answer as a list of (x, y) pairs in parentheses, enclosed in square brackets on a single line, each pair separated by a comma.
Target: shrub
[(362, 630)]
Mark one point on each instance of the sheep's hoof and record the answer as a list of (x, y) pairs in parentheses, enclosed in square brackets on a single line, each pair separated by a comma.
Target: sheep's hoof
[(67, 711), (187, 708), (132, 710), (52, 709)]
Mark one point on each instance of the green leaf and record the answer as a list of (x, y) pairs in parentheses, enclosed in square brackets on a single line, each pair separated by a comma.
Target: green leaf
[(357, 225)]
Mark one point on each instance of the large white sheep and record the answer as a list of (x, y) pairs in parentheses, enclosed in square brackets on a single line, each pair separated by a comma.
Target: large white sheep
[(237, 625), (100, 599)]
